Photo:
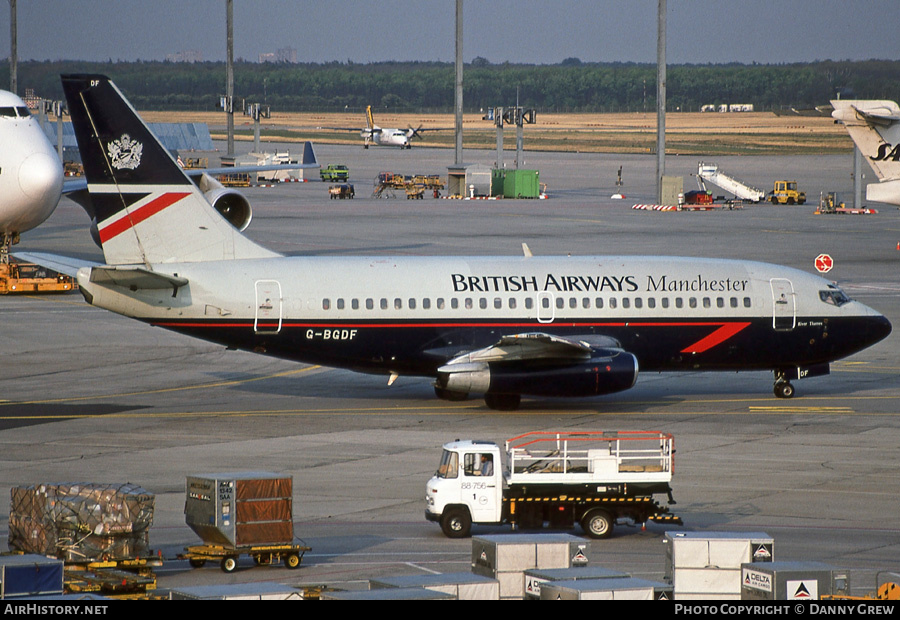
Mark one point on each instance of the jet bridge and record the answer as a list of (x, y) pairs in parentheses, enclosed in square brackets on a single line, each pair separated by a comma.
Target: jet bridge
[(710, 173)]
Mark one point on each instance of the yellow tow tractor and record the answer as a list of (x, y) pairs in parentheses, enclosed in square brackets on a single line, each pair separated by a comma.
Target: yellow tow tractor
[(786, 193)]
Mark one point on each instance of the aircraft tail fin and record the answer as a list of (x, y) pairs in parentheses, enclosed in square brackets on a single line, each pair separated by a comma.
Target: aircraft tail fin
[(309, 154), (370, 118), (874, 126), (147, 210)]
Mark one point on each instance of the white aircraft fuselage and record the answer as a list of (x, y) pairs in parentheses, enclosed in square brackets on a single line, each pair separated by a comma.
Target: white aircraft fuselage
[(385, 137), (498, 326), (425, 316), (31, 175)]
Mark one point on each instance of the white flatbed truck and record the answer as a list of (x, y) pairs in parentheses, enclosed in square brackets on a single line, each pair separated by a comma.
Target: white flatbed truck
[(590, 478)]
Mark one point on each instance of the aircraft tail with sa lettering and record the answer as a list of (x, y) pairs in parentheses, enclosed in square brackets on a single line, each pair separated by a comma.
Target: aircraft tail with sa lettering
[(874, 126)]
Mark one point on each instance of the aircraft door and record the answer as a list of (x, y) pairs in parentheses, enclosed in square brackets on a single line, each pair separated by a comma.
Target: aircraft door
[(784, 308), (268, 307), (546, 311)]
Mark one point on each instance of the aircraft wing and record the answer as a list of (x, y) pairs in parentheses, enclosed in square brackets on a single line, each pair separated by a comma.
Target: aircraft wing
[(529, 346), (537, 346), (75, 184), (548, 365), (195, 172), (337, 128)]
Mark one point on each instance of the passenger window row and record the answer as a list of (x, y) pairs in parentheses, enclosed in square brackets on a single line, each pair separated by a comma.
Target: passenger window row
[(511, 303)]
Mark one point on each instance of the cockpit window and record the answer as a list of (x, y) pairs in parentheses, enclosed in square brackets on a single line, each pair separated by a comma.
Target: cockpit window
[(834, 296), (13, 112)]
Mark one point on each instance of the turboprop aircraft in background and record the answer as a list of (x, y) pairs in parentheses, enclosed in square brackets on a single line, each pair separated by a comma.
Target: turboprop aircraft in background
[(874, 125), (373, 134), (500, 326)]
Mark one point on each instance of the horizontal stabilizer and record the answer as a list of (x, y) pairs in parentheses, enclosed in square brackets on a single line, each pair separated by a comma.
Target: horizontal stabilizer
[(135, 278), (60, 264), (879, 116)]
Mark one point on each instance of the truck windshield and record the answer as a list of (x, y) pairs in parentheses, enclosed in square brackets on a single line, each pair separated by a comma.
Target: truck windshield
[(449, 467)]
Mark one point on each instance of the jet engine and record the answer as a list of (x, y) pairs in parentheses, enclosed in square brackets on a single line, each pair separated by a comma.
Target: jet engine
[(607, 372), (231, 204)]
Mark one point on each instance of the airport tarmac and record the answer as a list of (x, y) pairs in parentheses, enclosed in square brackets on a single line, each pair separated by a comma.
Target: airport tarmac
[(86, 395)]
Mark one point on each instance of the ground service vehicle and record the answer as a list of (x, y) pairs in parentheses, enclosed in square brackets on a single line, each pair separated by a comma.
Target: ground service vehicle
[(334, 172), (339, 192), (785, 193), (28, 278), (590, 478), (829, 203)]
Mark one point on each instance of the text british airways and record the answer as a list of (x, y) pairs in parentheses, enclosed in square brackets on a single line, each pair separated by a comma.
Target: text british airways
[(550, 282)]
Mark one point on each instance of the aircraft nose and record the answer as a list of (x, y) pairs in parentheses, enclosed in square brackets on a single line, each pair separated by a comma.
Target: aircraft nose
[(879, 328), (41, 176)]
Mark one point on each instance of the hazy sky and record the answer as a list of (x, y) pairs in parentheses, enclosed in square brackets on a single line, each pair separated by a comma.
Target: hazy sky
[(529, 31)]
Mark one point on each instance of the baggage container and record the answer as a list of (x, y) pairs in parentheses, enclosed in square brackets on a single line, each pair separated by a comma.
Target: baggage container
[(506, 557), (30, 575), (792, 581), (537, 577), (707, 565), (237, 592), (622, 589), (463, 586), (241, 509)]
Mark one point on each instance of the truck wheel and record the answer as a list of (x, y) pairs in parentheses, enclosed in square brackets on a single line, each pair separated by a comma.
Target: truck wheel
[(229, 564), (456, 523), (292, 560), (195, 563), (597, 524)]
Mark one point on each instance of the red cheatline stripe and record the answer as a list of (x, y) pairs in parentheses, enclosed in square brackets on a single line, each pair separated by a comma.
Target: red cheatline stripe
[(717, 337), (139, 215), (720, 335)]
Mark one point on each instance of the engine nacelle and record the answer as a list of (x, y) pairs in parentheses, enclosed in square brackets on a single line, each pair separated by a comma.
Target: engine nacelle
[(607, 372), (231, 204)]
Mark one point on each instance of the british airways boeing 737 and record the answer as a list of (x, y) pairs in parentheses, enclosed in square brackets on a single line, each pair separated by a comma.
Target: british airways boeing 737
[(501, 327)]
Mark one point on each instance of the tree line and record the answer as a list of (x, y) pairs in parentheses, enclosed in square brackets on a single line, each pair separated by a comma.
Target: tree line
[(570, 86)]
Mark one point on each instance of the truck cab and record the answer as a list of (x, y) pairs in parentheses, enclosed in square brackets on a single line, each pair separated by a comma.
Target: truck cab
[(466, 488)]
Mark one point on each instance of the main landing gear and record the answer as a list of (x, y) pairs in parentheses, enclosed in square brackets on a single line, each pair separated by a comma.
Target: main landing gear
[(498, 402)]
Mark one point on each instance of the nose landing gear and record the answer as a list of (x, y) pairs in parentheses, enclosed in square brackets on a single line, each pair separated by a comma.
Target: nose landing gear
[(783, 387)]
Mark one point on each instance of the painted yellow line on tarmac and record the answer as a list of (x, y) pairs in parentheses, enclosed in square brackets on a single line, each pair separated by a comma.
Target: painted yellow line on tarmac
[(202, 386), (419, 411), (798, 409), (436, 410)]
